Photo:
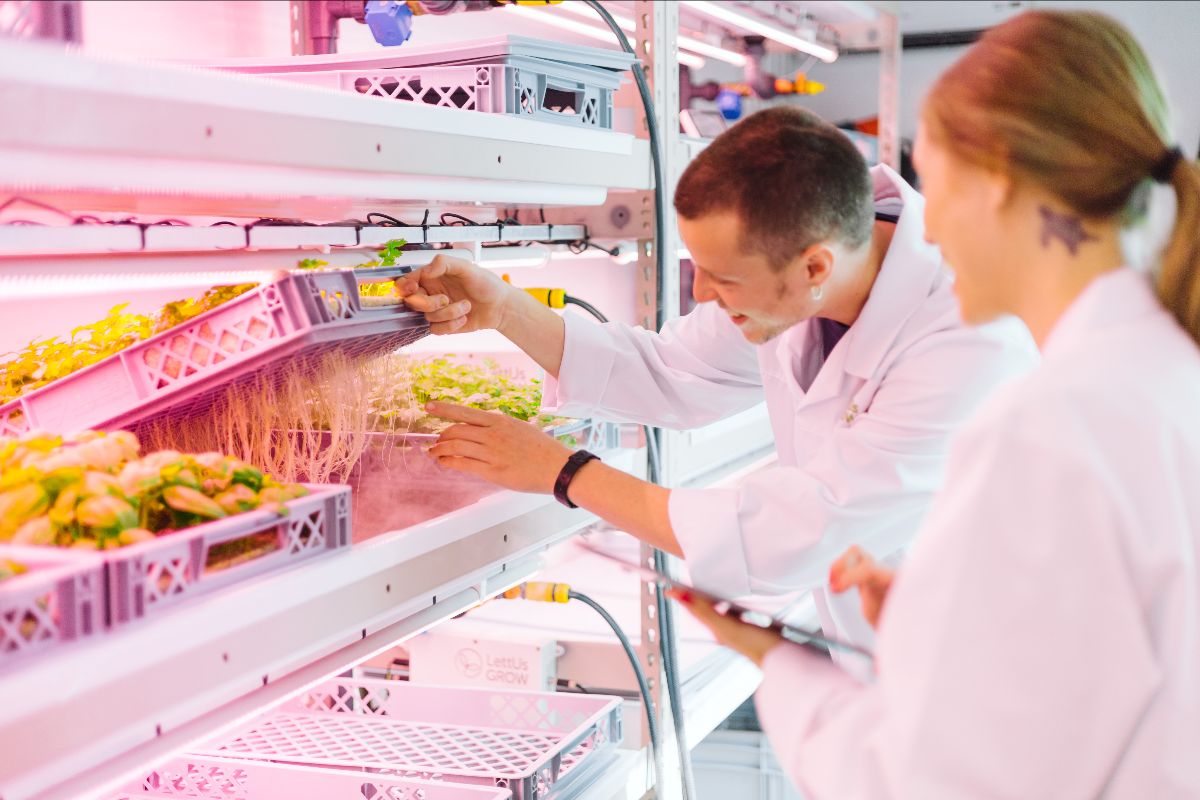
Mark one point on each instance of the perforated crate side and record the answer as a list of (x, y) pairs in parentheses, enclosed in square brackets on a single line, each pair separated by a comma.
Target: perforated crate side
[(558, 713), (214, 778), (537, 94), (60, 599), (159, 365), (156, 574), (470, 88)]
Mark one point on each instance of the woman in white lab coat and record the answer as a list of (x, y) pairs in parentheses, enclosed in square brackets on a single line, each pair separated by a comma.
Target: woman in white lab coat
[(1043, 638)]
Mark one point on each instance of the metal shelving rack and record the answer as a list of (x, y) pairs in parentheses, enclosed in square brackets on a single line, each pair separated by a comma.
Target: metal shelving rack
[(170, 140), (709, 457)]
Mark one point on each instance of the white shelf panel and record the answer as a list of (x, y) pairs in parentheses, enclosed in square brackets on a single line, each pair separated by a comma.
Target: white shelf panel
[(36, 239), (88, 124), (21, 240), (82, 720)]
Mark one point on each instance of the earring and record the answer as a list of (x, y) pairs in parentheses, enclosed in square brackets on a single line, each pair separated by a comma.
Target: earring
[(817, 291)]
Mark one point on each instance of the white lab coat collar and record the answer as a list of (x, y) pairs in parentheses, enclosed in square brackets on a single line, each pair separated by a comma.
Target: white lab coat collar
[(1107, 302), (909, 270)]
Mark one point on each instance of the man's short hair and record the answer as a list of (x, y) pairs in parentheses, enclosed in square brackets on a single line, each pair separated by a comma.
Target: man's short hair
[(792, 178)]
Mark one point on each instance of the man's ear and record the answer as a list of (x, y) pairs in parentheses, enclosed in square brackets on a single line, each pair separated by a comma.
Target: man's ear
[(818, 264)]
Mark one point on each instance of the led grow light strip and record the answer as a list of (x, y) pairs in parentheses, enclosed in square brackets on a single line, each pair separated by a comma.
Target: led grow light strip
[(695, 62), (721, 12), (686, 42)]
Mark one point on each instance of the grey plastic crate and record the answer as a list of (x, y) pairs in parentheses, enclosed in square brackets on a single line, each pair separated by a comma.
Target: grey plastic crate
[(146, 577), (525, 87), (58, 599)]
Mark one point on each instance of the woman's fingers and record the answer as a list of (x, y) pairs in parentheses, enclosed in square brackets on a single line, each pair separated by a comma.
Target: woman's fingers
[(849, 569)]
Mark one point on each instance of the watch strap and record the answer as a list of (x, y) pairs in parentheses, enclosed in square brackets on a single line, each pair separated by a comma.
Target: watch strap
[(563, 482)]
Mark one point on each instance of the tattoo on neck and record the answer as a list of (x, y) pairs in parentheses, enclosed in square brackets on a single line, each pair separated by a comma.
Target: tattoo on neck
[(1067, 228)]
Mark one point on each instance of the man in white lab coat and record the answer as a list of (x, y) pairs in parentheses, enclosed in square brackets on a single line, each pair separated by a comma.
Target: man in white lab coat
[(818, 293)]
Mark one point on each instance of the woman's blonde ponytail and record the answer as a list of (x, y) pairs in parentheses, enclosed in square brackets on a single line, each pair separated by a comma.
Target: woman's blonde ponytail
[(1178, 279)]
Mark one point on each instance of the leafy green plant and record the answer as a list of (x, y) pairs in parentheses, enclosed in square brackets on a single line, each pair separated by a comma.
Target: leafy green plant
[(402, 386), (93, 491)]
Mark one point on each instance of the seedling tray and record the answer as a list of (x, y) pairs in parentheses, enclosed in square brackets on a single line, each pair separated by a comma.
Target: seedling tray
[(294, 316)]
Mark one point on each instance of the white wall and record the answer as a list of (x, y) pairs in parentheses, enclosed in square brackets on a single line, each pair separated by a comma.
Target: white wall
[(1168, 31)]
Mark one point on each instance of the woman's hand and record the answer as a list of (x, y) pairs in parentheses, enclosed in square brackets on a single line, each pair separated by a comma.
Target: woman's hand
[(750, 640), (499, 449), (455, 295), (856, 569)]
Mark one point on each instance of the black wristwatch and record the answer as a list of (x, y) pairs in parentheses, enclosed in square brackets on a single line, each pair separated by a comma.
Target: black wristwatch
[(563, 482)]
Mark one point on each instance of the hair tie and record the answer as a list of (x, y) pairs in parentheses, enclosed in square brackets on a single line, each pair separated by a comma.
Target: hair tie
[(1165, 168)]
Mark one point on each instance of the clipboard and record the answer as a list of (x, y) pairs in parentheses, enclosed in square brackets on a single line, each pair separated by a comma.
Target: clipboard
[(807, 637)]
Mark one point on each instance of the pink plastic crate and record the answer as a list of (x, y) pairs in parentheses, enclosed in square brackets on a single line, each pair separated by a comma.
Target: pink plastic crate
[(59, 599), (294, 316), (522, 741), (214, 778), (145, 577)]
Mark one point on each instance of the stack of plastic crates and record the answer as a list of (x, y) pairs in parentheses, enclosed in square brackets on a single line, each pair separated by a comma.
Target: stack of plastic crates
[(66, 595)]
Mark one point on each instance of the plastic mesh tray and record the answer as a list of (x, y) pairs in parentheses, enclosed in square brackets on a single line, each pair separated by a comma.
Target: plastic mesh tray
[(216, 778), (179, 370), (522, 741), (60, 598), (145, 577)]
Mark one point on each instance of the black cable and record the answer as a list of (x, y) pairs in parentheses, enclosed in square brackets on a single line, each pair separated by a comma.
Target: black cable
[(666, 615), (461, 219), (582, 245), (639, 673), (388, 220), (585, 305)]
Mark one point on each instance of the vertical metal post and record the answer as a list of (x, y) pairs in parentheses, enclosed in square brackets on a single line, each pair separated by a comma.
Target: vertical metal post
[(889, 89), (657, 34)]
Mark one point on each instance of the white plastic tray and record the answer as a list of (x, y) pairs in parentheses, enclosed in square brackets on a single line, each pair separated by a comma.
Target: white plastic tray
[(527, 742)]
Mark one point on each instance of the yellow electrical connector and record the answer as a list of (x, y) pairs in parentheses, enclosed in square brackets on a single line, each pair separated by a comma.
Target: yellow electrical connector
[(799, 85), (540, 591), (554, 298)]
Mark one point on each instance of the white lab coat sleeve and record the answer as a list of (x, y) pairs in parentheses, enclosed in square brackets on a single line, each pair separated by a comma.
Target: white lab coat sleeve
[(867, 483), (1013, 657), (697, 370)]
